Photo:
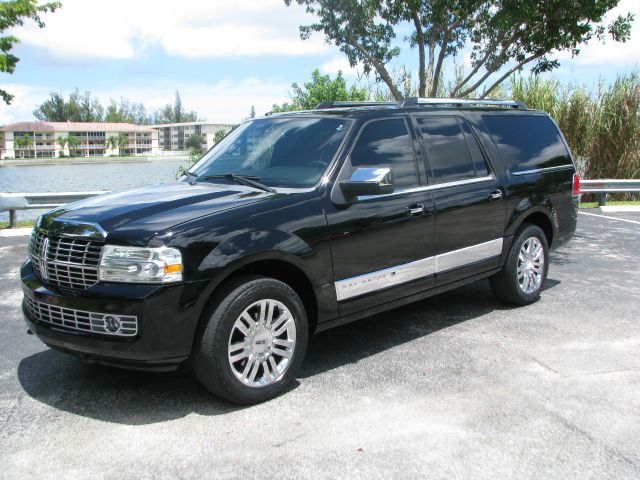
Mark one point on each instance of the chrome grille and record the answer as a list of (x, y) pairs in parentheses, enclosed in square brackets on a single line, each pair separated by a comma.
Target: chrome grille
[(65, 262), (104, 323)]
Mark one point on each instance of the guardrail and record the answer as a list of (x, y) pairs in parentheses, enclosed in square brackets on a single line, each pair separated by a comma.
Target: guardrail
[(12, 202), (608, 186)]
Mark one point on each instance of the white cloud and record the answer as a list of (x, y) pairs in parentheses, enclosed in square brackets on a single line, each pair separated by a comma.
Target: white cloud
[(87, 30), (341, 64), (612, 53), (225, 101)]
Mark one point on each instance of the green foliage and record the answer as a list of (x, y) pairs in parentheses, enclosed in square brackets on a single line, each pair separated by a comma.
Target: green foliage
[(504, 35), (219, 135), (23, 141), (62, 142), (320, 89), (126, 111), (112, 142), (123, 143), (174, 113), (80, 107), (13, 13), (194, 142), (601, 127), (72, 142)]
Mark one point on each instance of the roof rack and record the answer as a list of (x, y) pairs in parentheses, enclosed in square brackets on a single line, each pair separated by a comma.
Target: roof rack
[(324, 105), (459, 102)]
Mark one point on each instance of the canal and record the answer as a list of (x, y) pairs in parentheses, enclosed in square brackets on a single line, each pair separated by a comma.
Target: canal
[(83, 177)]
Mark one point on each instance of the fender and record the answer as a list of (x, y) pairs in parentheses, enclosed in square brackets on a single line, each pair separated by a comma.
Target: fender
[(537, 203)]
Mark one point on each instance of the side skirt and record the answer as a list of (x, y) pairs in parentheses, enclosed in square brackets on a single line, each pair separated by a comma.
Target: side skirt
[(402, 301)]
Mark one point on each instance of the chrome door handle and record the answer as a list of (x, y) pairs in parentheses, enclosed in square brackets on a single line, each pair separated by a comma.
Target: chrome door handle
[(496, 194), (415, 209)]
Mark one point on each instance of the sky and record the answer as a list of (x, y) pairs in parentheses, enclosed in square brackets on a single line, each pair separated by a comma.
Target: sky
[(222, 55)]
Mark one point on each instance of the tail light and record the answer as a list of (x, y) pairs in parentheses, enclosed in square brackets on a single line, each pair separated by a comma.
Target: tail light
[(576, 185)]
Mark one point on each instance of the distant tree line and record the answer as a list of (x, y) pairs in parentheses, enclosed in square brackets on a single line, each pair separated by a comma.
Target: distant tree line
[(83, 107)]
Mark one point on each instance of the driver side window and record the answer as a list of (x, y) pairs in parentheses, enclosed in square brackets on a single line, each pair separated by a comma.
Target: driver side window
[(387, 142)]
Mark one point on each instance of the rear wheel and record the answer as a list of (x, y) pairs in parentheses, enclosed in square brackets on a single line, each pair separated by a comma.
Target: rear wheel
[(522, 278), (254, 341)]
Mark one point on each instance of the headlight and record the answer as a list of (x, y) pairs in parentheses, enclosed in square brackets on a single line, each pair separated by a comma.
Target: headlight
[(140, 265)]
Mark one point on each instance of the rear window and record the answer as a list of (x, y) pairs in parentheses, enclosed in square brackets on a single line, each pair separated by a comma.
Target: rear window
[(527, 142)]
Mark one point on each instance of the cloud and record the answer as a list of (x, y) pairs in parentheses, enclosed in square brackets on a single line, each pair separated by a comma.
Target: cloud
[(88, 30), (341, 64), (611, 53), (225, 101)]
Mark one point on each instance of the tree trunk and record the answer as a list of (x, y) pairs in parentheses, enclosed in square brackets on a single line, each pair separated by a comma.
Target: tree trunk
[(422, 88), (380, 68)]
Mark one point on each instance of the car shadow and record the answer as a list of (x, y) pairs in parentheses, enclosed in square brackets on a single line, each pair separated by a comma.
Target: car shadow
[(129, 397)]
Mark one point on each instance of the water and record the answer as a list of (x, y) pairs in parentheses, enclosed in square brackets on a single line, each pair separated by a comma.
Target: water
[(82, 177)]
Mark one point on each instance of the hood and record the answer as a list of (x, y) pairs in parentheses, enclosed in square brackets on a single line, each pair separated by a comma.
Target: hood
[(135, 215)]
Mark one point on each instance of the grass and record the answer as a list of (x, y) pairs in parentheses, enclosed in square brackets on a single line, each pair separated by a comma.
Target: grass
[(21, 224), (610, 203)]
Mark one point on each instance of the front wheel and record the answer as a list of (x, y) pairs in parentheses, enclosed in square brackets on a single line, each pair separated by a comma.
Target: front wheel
[(525, 271), (254, 341)]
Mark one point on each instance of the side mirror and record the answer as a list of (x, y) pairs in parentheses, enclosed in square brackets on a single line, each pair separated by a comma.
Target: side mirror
[(368, 181)]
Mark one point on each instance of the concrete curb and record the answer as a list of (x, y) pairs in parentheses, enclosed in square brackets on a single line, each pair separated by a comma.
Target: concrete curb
[(15, 232), (620, 208)]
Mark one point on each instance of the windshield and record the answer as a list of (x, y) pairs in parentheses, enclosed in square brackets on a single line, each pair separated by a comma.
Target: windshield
[(279, 152)]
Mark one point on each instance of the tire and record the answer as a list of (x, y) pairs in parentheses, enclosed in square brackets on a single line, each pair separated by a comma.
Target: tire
[(243, 355), (523, 288)]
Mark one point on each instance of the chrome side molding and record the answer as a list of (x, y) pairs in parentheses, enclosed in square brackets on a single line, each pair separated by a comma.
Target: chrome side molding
[(399, 274)]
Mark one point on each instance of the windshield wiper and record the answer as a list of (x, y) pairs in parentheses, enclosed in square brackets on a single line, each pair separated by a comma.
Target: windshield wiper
[(191, 177), (245, 180)]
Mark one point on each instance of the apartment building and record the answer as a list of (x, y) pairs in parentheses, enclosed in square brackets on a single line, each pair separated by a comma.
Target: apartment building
[(42, 139), (174, 135)]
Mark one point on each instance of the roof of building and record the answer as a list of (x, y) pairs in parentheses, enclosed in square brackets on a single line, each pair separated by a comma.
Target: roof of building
[(74, 127), (189, 124)]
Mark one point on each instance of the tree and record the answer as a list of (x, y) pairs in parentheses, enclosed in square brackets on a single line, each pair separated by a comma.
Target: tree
[(78, 108), (62, 142), (505, 35), (13, 13), (23, 142), (123, 143), (112, 142), (320, 89), (126, 111), (194, 142), (73, 143), (174, 113), (219, 135), (252, 112)]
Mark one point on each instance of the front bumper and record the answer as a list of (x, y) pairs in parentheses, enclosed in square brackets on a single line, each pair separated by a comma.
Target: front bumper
[(167, 317)]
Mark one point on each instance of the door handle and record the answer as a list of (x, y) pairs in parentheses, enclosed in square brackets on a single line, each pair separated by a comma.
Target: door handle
[(415, 209), (495, 194)]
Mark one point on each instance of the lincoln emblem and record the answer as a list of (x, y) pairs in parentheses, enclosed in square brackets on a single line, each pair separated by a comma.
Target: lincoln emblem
[(44, 248)]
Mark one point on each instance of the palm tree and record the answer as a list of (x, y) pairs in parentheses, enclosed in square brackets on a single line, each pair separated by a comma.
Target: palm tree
[(112, 142), (22, 143), (123, 142), (62, 141), (73, 142)]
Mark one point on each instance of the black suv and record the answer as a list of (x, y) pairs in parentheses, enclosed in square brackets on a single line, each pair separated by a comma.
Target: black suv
[(298, 222)]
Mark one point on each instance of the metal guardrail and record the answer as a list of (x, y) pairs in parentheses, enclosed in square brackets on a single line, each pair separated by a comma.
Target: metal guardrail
[(608, 186), (12, 202)]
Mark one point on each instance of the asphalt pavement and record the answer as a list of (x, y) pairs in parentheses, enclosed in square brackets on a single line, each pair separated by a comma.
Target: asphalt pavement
[(456, 386)]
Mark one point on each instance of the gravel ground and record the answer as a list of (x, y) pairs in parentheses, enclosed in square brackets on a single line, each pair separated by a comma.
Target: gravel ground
[(457, 386)]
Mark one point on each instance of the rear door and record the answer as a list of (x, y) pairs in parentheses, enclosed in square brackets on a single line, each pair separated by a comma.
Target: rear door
[(468, 197)]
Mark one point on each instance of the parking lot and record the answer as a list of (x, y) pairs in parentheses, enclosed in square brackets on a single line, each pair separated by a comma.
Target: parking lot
[(456, 386)]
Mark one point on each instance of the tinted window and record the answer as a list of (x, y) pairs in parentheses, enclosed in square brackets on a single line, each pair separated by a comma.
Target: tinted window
[(452, 150), (527, 142), (387, 142), (287, 152)]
